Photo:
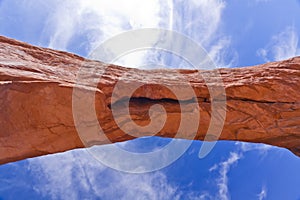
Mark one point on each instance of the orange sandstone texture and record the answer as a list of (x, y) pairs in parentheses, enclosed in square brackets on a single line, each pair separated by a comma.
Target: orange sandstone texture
[(36, 116)]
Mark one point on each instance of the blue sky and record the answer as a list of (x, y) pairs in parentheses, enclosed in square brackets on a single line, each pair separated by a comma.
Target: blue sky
[(234, 33)]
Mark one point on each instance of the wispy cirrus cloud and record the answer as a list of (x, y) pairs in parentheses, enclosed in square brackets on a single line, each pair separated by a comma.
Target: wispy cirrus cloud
[(263, 193), (282, 46), (222, 180), (80, 26), (260, 148), (97, 21), (202, 22), (225, 166), (76, 175)]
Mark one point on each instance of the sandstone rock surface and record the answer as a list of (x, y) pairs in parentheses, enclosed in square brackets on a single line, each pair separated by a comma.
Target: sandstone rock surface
[(36, 115)]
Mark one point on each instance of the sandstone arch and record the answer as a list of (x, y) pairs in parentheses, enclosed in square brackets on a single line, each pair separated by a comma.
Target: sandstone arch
[(263, 102)]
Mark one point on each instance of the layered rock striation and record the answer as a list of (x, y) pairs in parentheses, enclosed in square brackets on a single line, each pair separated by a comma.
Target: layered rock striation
[(37, 102)]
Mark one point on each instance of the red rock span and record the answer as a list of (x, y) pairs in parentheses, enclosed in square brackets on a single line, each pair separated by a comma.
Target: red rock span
[(36, 116)]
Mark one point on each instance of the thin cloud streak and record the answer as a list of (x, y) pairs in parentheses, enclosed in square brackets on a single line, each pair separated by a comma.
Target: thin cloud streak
[(223, 169), (202, 22), (263, 194), (97, 21), (282, 46), (261, 148), (223, 193), (75, 175)]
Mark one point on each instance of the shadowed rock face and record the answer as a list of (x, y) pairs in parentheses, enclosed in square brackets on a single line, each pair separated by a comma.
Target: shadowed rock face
[(36, 116)]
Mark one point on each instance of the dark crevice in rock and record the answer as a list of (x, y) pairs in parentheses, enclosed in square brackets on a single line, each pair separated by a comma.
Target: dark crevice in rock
[(145, 101), (259, 101)]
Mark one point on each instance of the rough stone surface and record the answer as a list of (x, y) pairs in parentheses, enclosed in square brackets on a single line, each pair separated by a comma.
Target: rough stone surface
[(36, 118)]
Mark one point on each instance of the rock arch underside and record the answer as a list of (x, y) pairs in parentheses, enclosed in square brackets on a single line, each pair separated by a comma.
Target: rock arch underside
[(36, 84)]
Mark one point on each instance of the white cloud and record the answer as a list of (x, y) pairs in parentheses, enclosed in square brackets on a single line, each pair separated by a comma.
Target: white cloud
[(202, 21), (154, 186), (199, 20), (55, 175), (247, 146), (213, 168), (98, 20), (263, 194), (223, 168), (222, 54), (77, 175), (202, 196), (222, 180), (223, 193), (282, 46)]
